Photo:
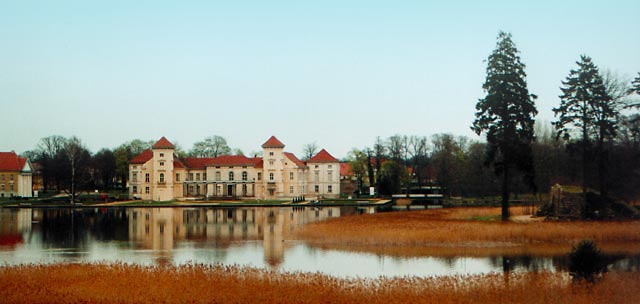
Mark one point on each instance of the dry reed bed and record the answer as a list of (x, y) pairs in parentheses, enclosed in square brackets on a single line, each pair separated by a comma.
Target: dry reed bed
[(83, 283), (451, 231)]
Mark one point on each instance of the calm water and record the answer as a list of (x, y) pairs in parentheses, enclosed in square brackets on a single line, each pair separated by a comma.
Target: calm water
[(255, 237)]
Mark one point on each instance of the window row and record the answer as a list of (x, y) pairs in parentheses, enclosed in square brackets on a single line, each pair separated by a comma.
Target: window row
[(10, 177), (2, 187), (134, 189)]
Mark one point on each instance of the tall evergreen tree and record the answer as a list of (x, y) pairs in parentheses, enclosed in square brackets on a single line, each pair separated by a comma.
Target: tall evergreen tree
[(586, 106), (506, 115)]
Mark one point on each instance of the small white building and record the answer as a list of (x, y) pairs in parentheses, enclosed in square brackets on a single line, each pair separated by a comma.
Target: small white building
[(158, 174), (15, 175)]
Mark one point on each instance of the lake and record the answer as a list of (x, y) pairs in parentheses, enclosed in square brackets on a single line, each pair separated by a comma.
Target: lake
[(250, 236)]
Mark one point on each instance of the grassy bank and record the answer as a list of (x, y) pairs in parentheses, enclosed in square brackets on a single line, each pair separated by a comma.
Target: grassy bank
[(467, 231), (74, 283)]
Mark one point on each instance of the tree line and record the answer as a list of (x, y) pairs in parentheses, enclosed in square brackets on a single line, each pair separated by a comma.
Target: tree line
[(597, 123)]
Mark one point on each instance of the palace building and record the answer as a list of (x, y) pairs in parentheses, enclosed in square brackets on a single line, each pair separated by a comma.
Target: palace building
[(158, 174), (15, 175)]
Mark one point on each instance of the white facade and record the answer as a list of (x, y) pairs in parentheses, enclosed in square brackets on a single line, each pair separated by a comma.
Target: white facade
[(277, 175)]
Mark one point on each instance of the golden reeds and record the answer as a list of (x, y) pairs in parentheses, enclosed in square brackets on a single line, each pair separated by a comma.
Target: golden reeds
[(83, 283), (451, 232)]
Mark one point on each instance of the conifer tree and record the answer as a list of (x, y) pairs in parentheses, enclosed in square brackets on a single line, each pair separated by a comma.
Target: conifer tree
[(586, 107), (506, 115)]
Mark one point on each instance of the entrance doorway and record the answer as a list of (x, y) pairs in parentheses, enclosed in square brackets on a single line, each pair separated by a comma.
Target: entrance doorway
[(230, 190)]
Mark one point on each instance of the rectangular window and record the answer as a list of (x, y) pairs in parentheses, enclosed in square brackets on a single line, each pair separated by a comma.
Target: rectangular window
[(217, 175), (2, 177), (291, 189), (190, 176), (2, 187), (271, 162), (259, 175), (270, 153), (134, 177), (231, 175), (161, 154), (330, 176), (316, 188), (316, 176), (270, 176), (10, 187), (244, 175), (11, 177), (146, 177), (291, 175), (204, 176), (197, 176), (161, 163), (330, 189), (146, 190), (329, 166), (177, 177), (135, 189)]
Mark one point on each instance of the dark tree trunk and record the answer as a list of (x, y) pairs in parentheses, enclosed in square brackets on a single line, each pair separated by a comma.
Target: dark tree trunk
[(584, 171), (505, 193)]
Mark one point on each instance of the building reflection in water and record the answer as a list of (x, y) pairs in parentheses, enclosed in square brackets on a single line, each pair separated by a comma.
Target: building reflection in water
[(222, 235), (14, 223), (159, 229)]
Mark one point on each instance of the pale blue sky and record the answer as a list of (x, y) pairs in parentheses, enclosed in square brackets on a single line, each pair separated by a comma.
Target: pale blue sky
[(338, 73)]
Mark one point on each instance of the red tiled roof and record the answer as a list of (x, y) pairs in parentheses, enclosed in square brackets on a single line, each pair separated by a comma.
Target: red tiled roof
[(345, 169), (143, 157), (259, 163), (273, 142), (177, 164), (10, 161), (322, 157), (198, 162), (294, 159), (163, 143)]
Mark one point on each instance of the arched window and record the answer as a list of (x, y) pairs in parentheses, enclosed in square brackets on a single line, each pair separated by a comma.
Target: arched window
[(162, 177), (244, 175), (231, 175)]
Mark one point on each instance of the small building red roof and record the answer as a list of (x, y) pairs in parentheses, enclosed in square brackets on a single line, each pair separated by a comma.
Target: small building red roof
[(10, 161), (294, 159), (163, 143), (143, 157), (322, 157), (345, 169), (273, 142)]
